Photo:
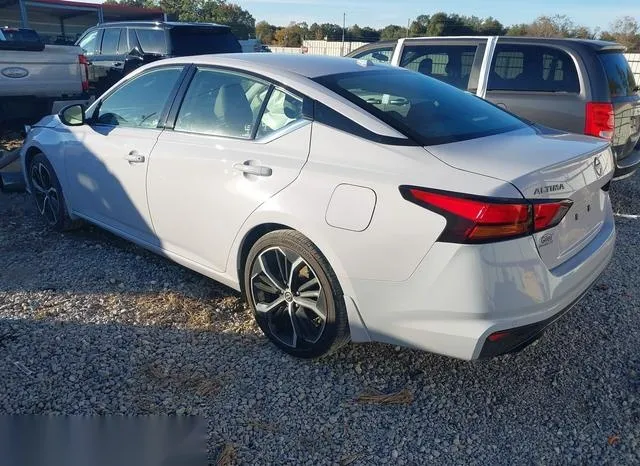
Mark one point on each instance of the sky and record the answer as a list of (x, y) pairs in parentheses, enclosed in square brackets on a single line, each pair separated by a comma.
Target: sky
[(379, 13)]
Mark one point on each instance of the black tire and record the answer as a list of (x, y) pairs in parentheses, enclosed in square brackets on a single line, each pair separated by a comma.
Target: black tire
[(48, 196), (318, 337)]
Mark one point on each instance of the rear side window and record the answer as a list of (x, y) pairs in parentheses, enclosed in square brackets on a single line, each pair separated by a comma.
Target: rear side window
[(152, 40), (380, 55), (217, 103), (423, 109), (282, 110), (620, 78), (532, 68), (202, 40), (451, 64), (110, 40)]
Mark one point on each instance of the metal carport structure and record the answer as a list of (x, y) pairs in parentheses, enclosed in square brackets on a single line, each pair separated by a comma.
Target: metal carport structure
[(62, 21)]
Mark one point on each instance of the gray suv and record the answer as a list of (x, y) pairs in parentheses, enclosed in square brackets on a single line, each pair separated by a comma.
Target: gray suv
[(579, 86)]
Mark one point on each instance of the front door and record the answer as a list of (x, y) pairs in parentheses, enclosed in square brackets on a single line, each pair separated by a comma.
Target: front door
[(237, 141), (107, 159)]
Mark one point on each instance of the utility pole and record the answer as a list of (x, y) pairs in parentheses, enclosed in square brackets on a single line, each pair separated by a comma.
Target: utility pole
[(344, 22), (408, 26)]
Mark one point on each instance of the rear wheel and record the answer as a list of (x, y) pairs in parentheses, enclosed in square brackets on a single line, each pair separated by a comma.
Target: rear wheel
[(295, 295), (48, 196)]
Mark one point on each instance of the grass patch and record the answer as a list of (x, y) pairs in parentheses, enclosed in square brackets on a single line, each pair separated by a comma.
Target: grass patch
[(227, 456)]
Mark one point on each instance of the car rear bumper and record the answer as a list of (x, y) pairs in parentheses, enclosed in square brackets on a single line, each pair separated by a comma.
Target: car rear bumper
[(460, 295), (628, 165)]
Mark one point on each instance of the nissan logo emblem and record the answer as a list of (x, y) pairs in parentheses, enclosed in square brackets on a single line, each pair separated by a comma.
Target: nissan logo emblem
[(597, 166)]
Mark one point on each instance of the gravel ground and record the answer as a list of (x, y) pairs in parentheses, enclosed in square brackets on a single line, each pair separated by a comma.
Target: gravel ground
[(90, 324)]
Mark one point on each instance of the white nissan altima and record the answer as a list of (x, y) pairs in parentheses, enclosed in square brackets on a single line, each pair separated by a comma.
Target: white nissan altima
[(346, 200)]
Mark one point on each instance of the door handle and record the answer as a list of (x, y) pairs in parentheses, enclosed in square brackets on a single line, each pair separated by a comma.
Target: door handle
[(118, 64), (134, 157), (256, 170)]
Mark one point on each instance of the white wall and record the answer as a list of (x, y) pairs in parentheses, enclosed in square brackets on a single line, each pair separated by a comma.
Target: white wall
[(634, 62), (320, 47)]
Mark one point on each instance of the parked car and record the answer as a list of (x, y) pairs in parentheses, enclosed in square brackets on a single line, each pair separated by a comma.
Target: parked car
[(38, 79), (253, 46), (116, 49), (581, 86), (345, 199)]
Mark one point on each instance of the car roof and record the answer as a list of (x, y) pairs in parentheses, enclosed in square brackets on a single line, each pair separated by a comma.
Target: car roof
[(309, 66), (160, 24)]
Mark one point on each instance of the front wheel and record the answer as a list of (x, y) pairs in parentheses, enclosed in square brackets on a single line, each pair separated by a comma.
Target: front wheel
[(48, 196), (295, 295)]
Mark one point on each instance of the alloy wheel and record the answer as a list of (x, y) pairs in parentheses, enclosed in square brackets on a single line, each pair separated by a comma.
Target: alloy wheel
[(286, 291), (46, 195)]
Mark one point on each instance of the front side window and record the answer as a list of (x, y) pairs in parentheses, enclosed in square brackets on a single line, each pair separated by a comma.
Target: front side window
[(282, 110), (110, 39), (152, 40), (381, 55), (532, 68), (423, 109), (140, 101), (88, 43), (220, 103), (451, 64)]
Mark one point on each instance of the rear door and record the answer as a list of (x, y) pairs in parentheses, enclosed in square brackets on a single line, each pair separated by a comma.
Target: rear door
[(454, 61), (109, 64), (541, 83), (237, 140), (626, 103)]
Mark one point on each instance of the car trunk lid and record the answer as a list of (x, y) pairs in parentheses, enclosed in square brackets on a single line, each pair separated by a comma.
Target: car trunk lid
[(546, 166)]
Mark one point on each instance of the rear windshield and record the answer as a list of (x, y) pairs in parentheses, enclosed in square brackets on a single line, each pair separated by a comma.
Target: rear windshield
[(200, 41), (620, 78), (19, 35), (422, 108)]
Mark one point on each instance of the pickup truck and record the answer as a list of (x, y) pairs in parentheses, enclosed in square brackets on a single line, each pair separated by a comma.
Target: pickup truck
[(574, 85), (38, 79)]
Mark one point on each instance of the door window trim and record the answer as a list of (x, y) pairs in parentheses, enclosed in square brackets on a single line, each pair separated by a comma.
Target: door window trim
[(170, 99)]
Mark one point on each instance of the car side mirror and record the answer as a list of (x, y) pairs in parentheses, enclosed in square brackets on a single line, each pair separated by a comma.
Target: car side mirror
[(136, 53), (73, 115)]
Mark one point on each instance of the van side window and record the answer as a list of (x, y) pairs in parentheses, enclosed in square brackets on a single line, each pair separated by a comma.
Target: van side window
[(450, 64), (532, 68), (379, 55)]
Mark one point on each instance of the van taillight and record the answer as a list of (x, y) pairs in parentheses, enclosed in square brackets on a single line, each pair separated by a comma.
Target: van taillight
[(475, 219), (84, 70), (599, 120)]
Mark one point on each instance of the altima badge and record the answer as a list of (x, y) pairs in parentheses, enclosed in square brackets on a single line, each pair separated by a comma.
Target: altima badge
[(597, 166)]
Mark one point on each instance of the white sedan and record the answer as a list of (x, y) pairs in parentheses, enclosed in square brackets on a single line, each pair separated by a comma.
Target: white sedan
[(346, 200)]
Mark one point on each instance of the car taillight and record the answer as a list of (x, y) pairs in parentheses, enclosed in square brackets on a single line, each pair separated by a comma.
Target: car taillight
[(599, 120), (84, 70), (475, 219)]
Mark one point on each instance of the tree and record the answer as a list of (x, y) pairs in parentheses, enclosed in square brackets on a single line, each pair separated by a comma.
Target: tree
[(393, 31), (291, 36), (625, 31), (491, 27), (419, 26), (518, 30), (265, 32)]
